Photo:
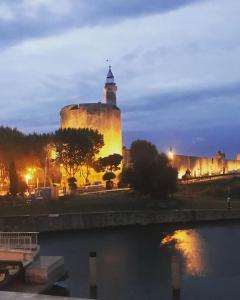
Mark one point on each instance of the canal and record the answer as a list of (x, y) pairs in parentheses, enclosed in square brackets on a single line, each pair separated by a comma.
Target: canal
[(135, 262)]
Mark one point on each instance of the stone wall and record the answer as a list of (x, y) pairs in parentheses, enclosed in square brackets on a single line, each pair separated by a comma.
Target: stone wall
[(200, 166), (28, 296), (78, 221)]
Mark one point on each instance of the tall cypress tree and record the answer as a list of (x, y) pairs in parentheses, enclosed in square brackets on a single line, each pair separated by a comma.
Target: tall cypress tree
[(13, 179)]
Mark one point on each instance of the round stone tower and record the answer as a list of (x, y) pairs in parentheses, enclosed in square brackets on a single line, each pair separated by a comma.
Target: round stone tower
[(105, 117)]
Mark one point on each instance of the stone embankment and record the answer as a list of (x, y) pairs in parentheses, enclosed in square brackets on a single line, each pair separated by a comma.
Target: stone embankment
[(78, 221), (25, 296)]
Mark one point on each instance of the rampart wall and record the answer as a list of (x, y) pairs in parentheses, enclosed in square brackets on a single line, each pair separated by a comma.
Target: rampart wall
[(201, 166)]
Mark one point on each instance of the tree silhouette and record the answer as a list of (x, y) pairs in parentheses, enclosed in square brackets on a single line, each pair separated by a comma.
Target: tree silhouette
[(109, 163), (108, 177), (151, 173)]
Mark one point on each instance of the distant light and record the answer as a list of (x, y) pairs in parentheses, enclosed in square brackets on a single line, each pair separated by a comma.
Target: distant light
[(53, 154), (30, 174), (28, 177)]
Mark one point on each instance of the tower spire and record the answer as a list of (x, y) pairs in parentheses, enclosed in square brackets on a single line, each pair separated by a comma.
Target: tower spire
[(110, 88), (110, 77)]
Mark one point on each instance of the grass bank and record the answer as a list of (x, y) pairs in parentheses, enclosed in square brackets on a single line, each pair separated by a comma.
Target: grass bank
[(98, 202), (209, 194), (202, 195)]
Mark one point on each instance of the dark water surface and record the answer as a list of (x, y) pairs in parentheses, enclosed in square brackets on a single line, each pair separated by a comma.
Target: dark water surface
[(135, 262)]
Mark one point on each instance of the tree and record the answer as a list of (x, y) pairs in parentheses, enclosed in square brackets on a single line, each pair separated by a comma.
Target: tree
[(142, 150), (22, 187), (109, 163), (24, 150), (36, 147), (125, 177), (151, 173), (16, 184), (165, 179), (76, 149), (10, 145), (13, 178)]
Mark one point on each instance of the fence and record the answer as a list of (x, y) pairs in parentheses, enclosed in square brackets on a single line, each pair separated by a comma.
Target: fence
[(18, 240)]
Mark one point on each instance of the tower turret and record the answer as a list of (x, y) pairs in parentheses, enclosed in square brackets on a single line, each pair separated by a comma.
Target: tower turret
[(110, 89)]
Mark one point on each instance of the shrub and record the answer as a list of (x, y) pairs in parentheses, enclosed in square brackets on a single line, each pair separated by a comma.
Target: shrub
[(151, 173)]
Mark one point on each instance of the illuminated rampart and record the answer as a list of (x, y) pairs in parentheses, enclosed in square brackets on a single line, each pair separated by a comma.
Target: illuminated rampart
[(201, 166)]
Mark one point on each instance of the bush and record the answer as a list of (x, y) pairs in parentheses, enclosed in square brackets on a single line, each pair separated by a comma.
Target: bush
[(187, 175), (108, 177), (125, 178)]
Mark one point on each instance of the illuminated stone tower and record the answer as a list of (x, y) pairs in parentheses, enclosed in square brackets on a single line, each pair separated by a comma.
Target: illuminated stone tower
[(105, 117), (110, 89)]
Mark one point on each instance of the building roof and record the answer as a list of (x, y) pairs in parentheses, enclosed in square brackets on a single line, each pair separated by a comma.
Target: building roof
[(110, 74), (110, 77)]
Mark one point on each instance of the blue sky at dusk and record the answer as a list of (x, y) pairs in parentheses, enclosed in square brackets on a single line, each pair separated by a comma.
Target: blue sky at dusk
[(176, 64)]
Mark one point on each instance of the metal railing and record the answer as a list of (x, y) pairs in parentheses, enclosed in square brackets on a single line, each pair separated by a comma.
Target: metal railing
[(19, 241)]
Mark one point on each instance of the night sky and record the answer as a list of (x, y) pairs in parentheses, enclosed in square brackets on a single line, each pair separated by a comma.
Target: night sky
[(176, 64)]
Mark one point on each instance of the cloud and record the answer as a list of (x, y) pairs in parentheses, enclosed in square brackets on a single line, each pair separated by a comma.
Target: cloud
[(6, 14), (176, 63), (216, 138), (178, 97), (39, 18), (185, 108)]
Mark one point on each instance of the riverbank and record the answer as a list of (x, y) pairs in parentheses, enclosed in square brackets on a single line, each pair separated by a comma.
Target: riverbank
[(196, 202), (202, 195), (25, 296), (115, 200), (93, 220)]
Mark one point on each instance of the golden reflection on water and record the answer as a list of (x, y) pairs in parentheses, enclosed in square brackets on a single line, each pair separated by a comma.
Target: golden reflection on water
[(191, 246)]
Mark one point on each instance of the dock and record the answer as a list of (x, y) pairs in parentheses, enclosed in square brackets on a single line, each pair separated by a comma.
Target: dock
[(23, 269)]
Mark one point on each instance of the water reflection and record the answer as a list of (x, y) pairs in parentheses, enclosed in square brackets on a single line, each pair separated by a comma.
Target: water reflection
[(190, 244)]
